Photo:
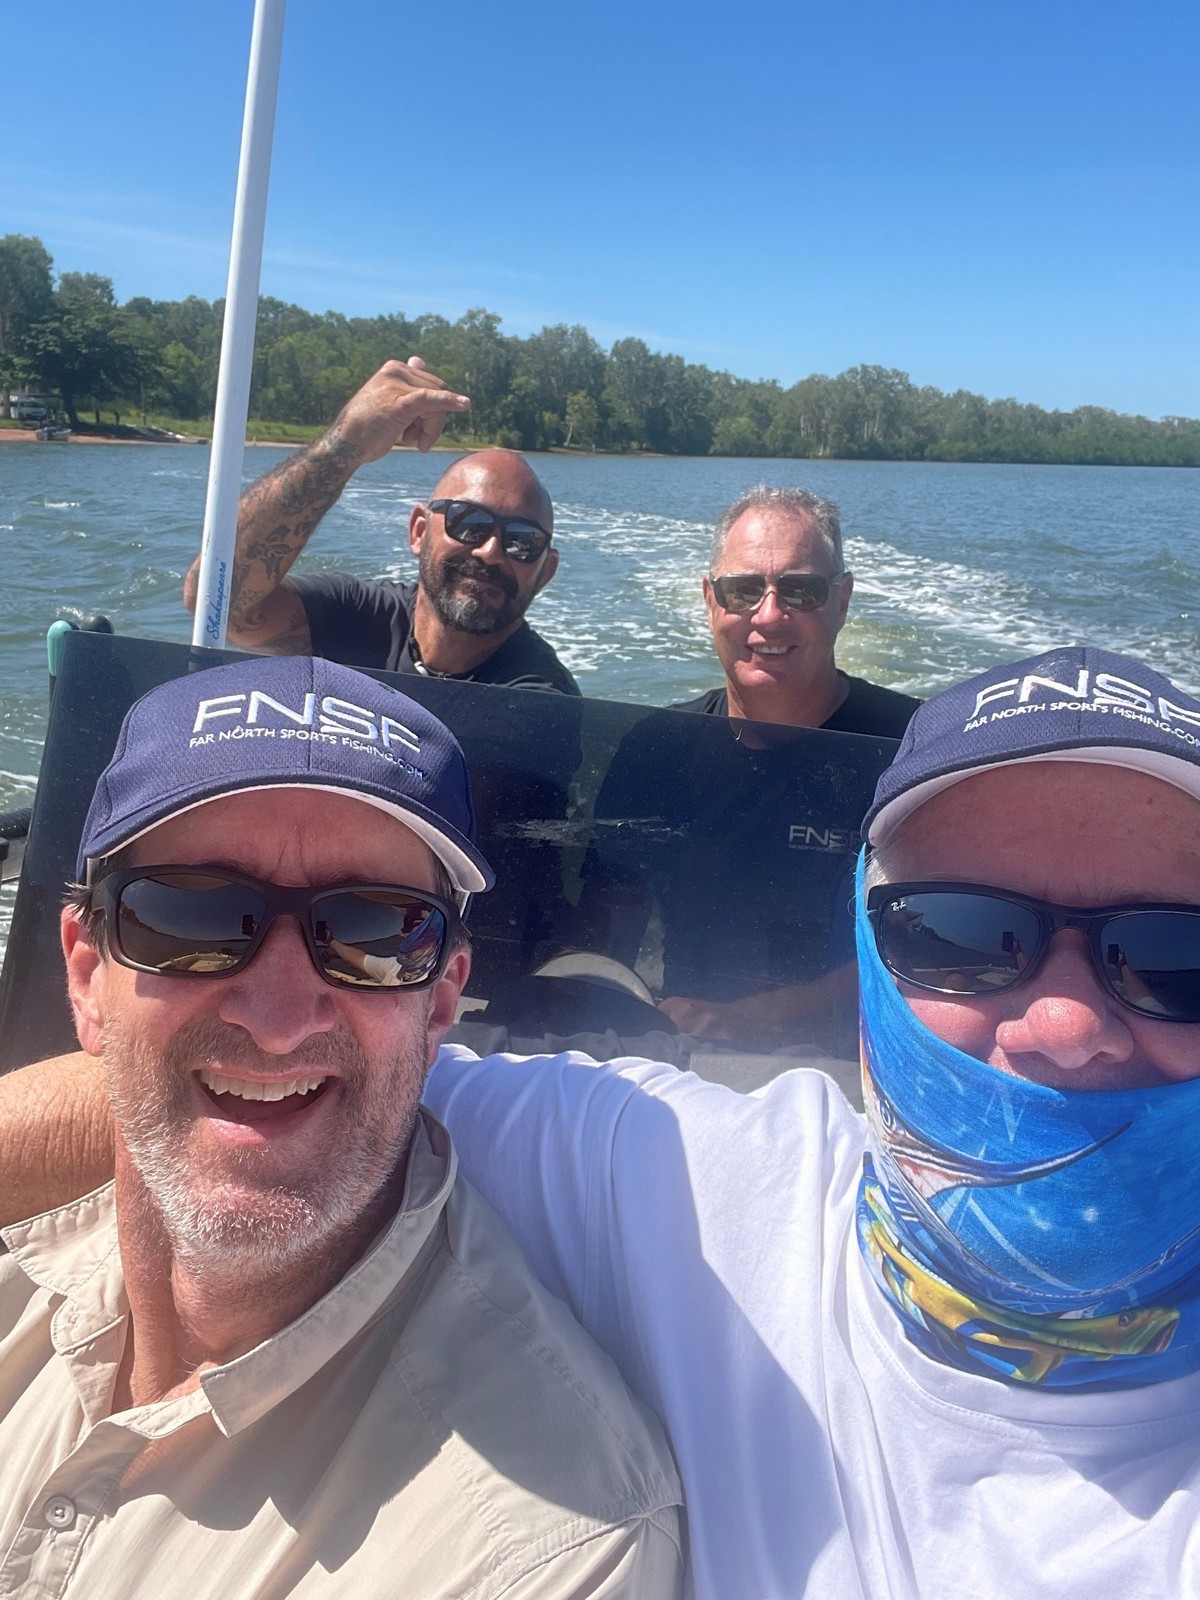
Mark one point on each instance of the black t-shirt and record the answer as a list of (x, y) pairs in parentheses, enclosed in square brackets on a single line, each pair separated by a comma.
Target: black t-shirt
[(772, 912), (367, 624), (867, 708)]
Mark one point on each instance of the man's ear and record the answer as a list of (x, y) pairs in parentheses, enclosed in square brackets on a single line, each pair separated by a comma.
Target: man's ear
[(418, 522), (85, 981), (446, 993), (549, 568), (847, 589), (710, 602)]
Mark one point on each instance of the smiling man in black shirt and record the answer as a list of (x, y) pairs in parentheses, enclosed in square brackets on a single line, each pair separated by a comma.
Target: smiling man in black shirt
[(483, 545), (777, 595), (761, 946)]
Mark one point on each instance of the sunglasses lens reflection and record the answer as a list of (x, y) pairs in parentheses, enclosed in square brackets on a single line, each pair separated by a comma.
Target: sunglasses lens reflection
[(1152, 960), (744, 591), (739, 594), (186, 924), (976, 944), (470, 525), (957, 943), (195, 922), (803, 591), (522, 543), (376, 938), (474, 525)]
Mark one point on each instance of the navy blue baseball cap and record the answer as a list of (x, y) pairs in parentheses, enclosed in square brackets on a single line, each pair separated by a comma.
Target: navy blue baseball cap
[(279, 723), (1074, 704)]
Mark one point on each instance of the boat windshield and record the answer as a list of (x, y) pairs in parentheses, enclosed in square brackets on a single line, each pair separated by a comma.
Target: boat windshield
[(668, 884)]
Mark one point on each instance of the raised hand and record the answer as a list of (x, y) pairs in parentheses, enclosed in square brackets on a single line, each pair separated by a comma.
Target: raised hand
[(403, 403)]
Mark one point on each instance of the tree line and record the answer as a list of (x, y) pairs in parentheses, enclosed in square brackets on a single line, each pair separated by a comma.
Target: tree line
[(69, 335)]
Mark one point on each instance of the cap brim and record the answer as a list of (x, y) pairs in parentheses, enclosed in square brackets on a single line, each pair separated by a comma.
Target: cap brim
[(469, 872), (1179, 773)]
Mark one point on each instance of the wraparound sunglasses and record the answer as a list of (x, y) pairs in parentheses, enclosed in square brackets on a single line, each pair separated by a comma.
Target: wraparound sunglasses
[(472, 524), (971, 939), (200, 922)]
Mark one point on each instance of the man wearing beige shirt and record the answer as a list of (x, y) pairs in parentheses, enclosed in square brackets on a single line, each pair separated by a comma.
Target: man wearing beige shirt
[(288, 1352)]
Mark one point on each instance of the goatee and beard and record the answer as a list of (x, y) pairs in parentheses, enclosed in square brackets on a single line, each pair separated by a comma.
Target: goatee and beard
[(226, 1212), (460, 604)]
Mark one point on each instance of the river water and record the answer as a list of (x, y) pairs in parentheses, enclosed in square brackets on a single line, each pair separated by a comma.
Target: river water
[(956, 567)]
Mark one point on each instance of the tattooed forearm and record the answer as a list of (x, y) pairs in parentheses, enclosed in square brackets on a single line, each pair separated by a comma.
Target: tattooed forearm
[(276, 519), (320, 470), (278, 516), (291, 640), (275, 551), (251, 616), (318, 475)]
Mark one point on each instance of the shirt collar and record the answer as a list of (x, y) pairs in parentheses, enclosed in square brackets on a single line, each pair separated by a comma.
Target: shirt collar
[(73, 1252)]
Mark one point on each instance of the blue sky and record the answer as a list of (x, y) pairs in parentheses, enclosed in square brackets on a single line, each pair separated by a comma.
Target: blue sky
[(999, 197)]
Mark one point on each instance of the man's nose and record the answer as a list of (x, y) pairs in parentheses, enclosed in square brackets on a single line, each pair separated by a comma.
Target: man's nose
[(768, 608), (1064, 1013), (280, 999), (492, 549)]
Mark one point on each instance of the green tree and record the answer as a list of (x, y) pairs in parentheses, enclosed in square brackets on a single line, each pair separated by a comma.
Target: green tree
[(520, 416), (875, 409), (681, 423), (737, 436), (530, 393), (583, 420), (84, 346), (487, 368), (633, 387), (26, 287), (183, 382), (562, 361)]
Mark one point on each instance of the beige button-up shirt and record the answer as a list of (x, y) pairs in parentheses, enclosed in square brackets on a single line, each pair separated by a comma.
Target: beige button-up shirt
[(436, 1425)]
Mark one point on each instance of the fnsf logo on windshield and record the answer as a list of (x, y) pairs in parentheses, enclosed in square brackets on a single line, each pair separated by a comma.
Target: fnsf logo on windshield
[(260, 715), (1105, 692)]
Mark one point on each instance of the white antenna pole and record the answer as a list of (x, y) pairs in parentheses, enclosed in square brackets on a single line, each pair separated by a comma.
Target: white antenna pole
[(237, 339)]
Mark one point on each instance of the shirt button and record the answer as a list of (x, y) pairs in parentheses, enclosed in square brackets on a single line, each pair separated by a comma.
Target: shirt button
[(59, 1512)]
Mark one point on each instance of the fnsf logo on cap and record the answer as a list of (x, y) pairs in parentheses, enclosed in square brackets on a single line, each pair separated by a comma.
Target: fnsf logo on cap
[(260, 715), (1104, 693)]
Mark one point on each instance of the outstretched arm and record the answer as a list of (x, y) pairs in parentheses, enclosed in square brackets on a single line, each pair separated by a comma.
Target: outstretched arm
[(56, 1135), (827, 1001), (279, 513)]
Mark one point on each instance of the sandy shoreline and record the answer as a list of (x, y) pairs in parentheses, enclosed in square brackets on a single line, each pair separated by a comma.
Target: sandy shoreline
[(26, 436)]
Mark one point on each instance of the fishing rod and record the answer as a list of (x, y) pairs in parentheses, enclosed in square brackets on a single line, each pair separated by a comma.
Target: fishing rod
[(237, 337), (233, 384)]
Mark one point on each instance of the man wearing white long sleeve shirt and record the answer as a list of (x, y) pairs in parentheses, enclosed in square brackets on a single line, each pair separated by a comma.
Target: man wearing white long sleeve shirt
[(949, 1349)]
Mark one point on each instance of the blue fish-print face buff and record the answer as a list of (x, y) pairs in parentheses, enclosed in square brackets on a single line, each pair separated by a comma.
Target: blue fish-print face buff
[(1052, 1213)]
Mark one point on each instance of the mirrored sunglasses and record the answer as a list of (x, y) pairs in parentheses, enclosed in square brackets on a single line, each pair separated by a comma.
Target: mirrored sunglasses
[(198, 922), (473, 525), (969, 939)]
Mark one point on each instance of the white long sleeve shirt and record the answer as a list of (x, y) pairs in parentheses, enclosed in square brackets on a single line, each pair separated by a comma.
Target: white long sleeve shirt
[(706, 1240)]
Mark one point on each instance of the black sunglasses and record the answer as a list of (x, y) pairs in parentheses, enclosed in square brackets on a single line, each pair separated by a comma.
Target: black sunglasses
[(969, 939), (201, 922), (798, 591), (473, 525)]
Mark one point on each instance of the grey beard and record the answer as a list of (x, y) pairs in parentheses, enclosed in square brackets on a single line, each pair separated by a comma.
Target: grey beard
[(464, 611), (212, 1227)]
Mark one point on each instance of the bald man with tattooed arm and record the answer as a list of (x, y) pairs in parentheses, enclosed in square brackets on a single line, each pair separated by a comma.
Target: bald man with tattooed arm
[(483, 545)]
